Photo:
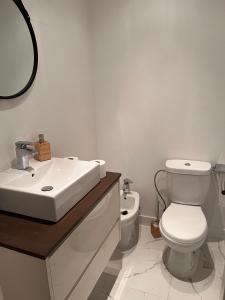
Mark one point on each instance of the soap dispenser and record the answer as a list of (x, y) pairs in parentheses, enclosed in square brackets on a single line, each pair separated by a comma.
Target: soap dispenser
[(43, 149)]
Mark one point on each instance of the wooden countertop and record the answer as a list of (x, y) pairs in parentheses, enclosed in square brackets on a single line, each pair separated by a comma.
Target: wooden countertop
[(40, 238)]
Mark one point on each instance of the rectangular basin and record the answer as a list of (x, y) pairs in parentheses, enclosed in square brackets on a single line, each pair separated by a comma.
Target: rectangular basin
[(49, 189)]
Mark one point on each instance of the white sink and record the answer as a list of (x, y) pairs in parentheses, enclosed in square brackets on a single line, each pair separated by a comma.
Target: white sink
[(67, 180)]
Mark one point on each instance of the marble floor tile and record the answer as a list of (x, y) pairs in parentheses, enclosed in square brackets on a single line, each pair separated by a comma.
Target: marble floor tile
[(182, 290), (143, 275), (151, 278), (146, 240), (154, 297), (133, 294), (211, 288), (144, 256), (216, 251)]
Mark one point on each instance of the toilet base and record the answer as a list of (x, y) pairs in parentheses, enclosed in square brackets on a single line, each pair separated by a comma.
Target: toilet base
[(181, 265)]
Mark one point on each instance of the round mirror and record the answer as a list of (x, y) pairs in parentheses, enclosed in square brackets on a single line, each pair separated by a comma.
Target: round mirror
[(18, 50)]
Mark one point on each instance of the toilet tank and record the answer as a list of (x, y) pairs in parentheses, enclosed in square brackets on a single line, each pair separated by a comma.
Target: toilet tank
[(188, 181)]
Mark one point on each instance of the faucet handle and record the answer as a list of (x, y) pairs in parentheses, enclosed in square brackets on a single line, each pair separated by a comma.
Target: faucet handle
[(25, 145), (22, 144), (127, 181)]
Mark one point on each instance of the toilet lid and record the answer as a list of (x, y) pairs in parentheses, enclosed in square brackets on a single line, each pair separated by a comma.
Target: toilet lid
[(184, 223)]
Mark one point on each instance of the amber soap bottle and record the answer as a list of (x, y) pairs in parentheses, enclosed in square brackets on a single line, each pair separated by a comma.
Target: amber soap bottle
[(43, 149)]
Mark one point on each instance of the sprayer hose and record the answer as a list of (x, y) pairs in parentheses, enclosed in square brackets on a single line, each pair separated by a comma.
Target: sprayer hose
[(158, 192)]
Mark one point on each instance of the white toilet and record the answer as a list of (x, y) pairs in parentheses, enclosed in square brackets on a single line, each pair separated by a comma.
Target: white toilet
[(183, 224)]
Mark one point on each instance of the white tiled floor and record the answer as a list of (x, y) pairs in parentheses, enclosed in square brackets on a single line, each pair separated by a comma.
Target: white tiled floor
[(144, 277)]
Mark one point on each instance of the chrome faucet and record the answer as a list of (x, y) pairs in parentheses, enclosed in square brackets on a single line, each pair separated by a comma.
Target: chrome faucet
[(24, 151), (126, 187)]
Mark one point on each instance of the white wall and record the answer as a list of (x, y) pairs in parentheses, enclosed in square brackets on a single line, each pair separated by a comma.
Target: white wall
[(60, 102), (160, 85)]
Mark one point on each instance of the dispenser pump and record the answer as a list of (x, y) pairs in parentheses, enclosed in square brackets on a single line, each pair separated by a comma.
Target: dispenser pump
[(41, 138)]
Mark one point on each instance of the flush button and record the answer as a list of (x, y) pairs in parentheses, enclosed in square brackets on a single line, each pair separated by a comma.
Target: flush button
[(187, 164)]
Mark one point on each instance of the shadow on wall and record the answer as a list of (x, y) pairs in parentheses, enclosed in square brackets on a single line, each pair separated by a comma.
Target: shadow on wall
[(213, 213), (8, 104)]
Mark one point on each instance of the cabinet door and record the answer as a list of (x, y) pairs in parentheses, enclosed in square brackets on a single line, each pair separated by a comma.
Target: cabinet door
[(71, 259), (97, 266)]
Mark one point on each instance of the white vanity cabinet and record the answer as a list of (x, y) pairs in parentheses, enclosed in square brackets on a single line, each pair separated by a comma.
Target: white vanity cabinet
[(72, 270)]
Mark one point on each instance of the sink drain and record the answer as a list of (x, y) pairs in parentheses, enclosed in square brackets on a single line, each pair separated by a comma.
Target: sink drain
[(124, 212), (47, 188)]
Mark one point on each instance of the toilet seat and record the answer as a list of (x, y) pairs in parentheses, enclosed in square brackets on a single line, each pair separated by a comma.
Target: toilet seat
[(184, 224)]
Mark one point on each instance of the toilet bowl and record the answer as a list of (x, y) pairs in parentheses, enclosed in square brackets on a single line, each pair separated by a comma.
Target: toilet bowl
[(184, 229), (129, 220), (183, 224)]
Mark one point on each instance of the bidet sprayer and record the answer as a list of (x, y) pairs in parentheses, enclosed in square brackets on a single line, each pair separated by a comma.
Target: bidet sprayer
[(126, 186)]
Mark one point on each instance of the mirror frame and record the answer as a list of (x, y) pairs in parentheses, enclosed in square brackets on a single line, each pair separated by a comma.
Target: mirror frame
[(26, 16)]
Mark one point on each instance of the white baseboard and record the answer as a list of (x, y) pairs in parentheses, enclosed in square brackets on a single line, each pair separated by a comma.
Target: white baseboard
[(145, 220)]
